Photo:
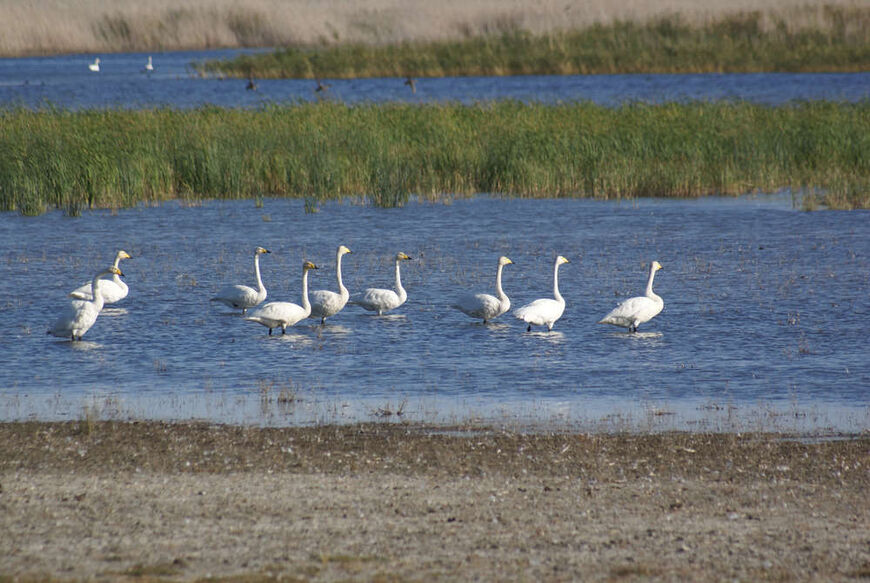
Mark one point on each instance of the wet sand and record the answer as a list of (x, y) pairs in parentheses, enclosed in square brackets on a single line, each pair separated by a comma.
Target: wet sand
[(393, 502)]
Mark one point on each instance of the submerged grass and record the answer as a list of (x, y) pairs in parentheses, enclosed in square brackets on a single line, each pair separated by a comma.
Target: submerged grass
[(388, 153), (745, 42)]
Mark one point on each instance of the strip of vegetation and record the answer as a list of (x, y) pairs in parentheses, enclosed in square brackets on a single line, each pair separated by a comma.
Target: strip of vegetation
[(388, 153), (753, 42)]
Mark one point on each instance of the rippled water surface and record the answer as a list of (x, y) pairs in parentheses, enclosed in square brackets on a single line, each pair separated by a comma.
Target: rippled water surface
[(764, 322), (65, 81)]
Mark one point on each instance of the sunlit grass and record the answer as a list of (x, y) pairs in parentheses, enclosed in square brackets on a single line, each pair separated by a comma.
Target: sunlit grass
[(388, 153)]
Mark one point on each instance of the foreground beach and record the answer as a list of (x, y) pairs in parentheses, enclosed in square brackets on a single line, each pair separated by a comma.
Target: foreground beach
[(392, 502)]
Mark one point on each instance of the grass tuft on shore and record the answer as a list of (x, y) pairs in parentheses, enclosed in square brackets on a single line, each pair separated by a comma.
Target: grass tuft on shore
[(389, 153), (838, 40)]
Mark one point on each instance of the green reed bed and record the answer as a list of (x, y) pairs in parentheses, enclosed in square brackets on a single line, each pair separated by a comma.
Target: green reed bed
[(753, 42), (388, 153)]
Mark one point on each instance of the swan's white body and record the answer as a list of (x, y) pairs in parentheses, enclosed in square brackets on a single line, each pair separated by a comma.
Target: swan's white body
[(241, 296), (635, 311), (545, 311), (383, 300), (80, 315), (113, 290), (95, 66), (326, 303), (149, 66), (486, 306), (283, 314)]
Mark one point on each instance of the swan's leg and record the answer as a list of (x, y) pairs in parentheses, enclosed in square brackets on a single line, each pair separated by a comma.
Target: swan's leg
[(323, 320), (529, 328), (283, 329), (270, 331)]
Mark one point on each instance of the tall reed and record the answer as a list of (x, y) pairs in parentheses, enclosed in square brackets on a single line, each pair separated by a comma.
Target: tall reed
[(388, 153)]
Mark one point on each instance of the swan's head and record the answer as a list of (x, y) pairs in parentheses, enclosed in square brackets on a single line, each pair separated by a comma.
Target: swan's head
[(124, 255), (504, 260), (655, 266), (344, 250), (560, 260), (308, 265), (260, 251), (115, 270), (402, 257)]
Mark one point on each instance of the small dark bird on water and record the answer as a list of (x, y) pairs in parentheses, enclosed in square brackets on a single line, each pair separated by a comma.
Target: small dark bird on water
[(321, 87), (252, 85), (412, 83)]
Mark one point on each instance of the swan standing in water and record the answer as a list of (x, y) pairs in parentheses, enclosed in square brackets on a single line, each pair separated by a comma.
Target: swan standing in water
[(326, 303), (283, 314), (487, 306), (113, 290), (80, 315), (149, 66), (635, 311), (242, 296), (383, 300), (545, 311), (95, 66)]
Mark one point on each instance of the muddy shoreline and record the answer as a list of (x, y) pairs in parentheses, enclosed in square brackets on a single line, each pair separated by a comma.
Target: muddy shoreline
[(91, 500)]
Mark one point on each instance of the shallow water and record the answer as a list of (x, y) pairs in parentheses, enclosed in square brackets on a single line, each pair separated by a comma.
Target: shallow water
[(763, 326), (65, 81)]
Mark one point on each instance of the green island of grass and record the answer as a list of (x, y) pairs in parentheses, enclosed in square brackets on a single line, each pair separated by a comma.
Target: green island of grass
[(838, 41), (387, 154)]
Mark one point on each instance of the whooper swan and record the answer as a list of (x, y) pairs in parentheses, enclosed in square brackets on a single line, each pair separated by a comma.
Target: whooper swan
[(283, 314), (635, 311), (486, 306), (80, 315), (149, 66), (383, 300), (545, 311), (242, 296), (326, 303), (114, 290), (95, 66)]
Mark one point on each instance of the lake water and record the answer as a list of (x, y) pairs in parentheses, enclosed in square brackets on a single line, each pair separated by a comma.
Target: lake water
[(764, 325), (65, 81)]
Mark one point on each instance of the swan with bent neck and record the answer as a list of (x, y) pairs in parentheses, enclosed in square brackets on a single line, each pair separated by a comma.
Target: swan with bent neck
[(114, 289), (486, 306), (326, 303), (283, 314), (241, 296), (381, 300), (545, 311), (635, 311)]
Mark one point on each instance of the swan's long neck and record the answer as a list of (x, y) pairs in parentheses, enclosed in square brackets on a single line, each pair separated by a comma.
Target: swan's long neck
[(260, 288), (306, 305), (649, 285), (556, 293), (501, 295), (403, 295), (341, 289), (97, 291)]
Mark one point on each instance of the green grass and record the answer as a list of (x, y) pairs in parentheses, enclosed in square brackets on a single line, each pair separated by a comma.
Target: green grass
[(751, 42), (388, 153)]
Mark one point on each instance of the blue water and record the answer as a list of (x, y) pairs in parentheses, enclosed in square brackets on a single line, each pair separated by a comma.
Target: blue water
[(763, 326), (65, 81)]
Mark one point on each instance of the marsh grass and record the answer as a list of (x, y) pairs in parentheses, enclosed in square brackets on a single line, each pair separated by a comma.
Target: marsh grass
[(389, 153), (746, 42)]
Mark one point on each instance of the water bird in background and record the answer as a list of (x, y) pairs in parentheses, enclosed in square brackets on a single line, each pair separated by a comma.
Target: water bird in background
[(545, 311), (486, 306), (149, 66), (80, 315), (383, 300), (241, 296), (113, 290), (321, 87), (252, 85), (326, 303), (637, 310), (95, 66), (283, 314), (412, 83)]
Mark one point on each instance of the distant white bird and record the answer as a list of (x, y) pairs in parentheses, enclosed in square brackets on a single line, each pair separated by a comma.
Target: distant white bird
[(114, 290), (242, 296), (283, 314), (80, 315), (383, 300), (486, 306), (545, 311), (95, 66), (149, 66), (637, 310), (326, 303)]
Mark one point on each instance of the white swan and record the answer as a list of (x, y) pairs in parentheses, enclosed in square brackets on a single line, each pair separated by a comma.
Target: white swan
[(149, 66), (546, 311), (242, 296), (326, 303), (487, 306), (113, 290), (95, 66), (382, 300), (283, 314), (80, 315), (635, 311)]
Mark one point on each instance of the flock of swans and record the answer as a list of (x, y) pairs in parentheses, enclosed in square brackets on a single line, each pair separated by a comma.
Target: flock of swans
[(89, 300)]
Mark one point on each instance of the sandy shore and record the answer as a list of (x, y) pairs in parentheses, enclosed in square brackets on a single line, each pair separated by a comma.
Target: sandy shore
[(387, 502)]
